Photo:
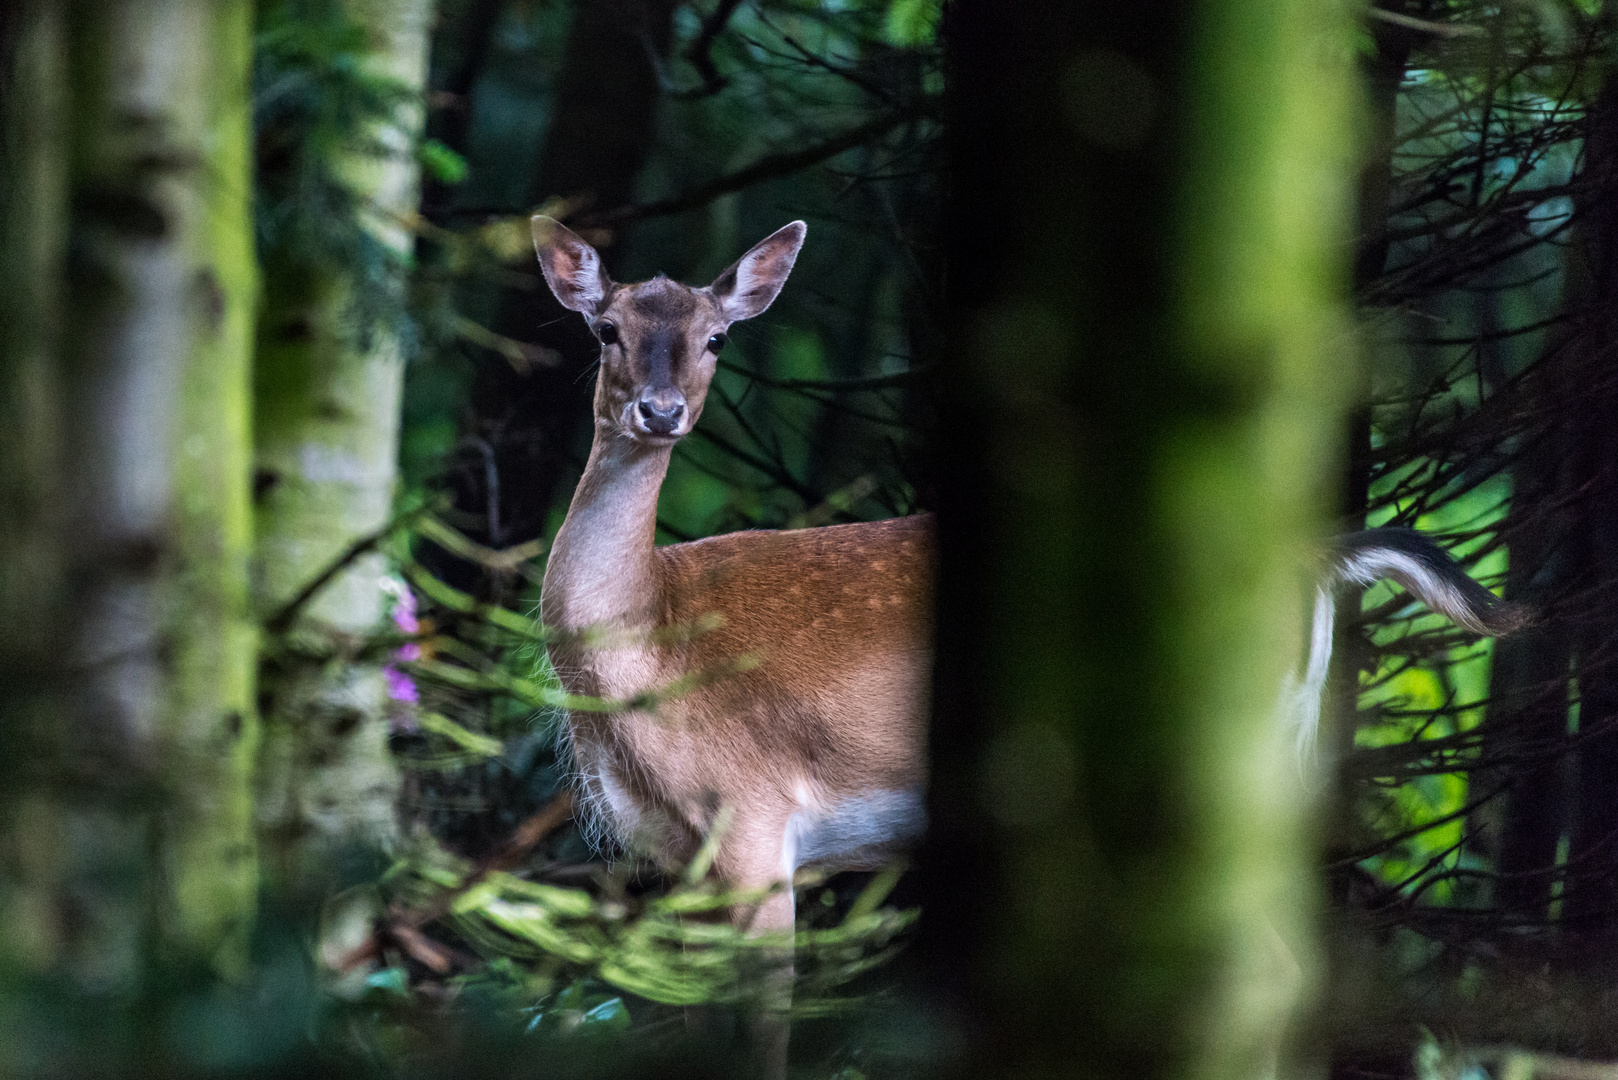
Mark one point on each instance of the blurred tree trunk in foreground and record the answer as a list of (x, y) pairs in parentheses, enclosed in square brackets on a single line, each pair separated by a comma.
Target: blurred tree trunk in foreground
[(34, 609), (328, 384), (129, 643), (1149, 267)]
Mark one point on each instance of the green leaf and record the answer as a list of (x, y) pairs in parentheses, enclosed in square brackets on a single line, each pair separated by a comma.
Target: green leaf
[(534, 923), (471, 741), (564, 903), (912, 22), (442, 163)]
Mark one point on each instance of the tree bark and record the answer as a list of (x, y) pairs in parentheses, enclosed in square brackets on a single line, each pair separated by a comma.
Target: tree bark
[(1381, 74), (1592, 895), (142, 727), (1148, 276), (463, 34), (1527, 720), (35, 620), (326, 454)]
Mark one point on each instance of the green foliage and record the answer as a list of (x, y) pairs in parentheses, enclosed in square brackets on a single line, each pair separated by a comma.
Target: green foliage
[(912, 22), (1476, 772), (442, 163), (670, 946)]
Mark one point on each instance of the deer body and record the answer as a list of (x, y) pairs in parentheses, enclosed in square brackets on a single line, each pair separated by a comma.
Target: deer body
[(811, 649)]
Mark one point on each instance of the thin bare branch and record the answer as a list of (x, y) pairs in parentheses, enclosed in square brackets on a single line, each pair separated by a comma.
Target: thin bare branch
[(767, 168)]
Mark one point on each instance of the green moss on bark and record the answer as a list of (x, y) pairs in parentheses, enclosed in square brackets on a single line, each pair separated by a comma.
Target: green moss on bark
[(132, 836), (213, 867)]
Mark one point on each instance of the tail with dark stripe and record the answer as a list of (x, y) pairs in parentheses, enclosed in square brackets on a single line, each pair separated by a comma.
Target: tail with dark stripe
[(1424, 570)]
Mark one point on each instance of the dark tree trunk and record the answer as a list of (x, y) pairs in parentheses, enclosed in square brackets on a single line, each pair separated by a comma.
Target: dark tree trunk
[(35, 548), (1382, 73), (1592, 900), (606, 102), (1526, 725), (461, 45)]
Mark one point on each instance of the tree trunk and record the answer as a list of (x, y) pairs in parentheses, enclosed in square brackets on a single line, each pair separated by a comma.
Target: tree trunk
[(35, 620), (1526, 723), (138, 809), (1381, 74), (462, 35), (1148, 269), (1592, 897), (326, 453)]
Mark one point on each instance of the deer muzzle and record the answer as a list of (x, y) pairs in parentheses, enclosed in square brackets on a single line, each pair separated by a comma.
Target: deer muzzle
[(660, 412)]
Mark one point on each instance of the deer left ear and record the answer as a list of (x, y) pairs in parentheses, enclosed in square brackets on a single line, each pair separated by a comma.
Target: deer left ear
[(754, 280), (572, 267)]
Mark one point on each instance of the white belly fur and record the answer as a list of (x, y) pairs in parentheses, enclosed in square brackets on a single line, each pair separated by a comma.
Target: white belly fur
[(853, 830)]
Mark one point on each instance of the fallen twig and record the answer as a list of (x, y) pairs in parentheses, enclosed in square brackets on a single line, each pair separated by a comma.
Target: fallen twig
[(404, 927)]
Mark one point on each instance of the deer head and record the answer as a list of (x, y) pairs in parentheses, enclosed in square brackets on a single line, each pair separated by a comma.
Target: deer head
[(660, 340)]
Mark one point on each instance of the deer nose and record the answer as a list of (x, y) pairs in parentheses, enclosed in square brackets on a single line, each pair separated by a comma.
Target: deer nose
[(661, 412)]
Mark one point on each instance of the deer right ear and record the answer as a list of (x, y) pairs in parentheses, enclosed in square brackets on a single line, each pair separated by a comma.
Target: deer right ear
[(572, 267), (752, 282)]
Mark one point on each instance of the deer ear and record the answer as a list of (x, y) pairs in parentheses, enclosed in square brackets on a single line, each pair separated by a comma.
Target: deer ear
[(753, 281), (572, 267)]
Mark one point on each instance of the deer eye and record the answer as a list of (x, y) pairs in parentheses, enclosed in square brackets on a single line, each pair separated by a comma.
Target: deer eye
[(716, 343), (608, 333)]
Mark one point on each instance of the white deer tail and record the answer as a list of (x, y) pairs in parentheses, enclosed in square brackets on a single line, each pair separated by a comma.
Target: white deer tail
[(1425, 571)]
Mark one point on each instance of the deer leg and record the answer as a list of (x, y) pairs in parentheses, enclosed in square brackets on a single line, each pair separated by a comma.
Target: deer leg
[(711, 1025), (768, 985), (753, 861)]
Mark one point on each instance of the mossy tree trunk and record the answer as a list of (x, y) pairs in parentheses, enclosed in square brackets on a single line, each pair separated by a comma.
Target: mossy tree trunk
[(1149, 267), (131, 828), (328, 389), (34, 616)]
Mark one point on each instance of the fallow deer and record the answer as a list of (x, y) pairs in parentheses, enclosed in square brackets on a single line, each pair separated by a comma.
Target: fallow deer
[(817, 747), (816, 742)]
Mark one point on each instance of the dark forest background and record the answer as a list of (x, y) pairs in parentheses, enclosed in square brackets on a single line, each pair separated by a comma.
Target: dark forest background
[(1142, 302)]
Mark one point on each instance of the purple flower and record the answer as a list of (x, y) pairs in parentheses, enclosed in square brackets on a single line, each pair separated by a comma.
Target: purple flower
[(401, 687), (404, 612)]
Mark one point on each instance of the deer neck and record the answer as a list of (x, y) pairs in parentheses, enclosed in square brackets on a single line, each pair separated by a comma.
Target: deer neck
[(602, 570)]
